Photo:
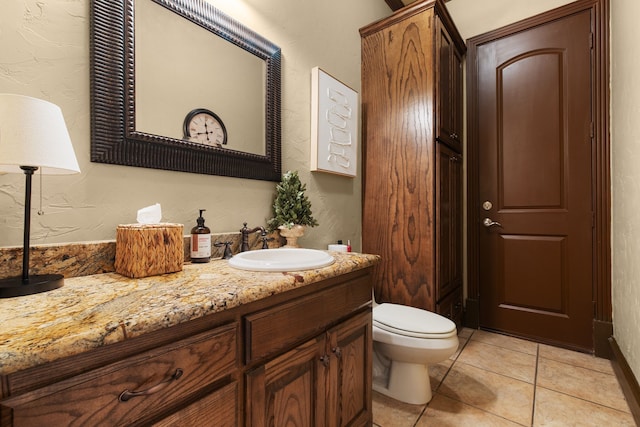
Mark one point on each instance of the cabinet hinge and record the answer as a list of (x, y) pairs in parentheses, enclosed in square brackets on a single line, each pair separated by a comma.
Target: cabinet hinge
[(591, 131), (591, 38)]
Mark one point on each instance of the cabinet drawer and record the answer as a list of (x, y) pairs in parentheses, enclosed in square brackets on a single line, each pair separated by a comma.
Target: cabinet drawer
[(216, 409), (451, 307), (168, 374), (272, 330)]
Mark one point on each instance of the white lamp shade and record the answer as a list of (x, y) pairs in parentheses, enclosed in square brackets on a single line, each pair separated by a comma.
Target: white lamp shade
[(33, 133)]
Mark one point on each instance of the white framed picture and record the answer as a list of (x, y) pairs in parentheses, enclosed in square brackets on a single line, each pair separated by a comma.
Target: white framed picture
[(334, 125)]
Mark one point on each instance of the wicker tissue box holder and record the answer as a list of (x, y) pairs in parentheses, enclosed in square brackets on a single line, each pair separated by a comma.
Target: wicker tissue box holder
[(144, 250)]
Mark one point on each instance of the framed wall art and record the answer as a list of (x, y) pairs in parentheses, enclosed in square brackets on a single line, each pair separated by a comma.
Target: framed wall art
[(334, 125)]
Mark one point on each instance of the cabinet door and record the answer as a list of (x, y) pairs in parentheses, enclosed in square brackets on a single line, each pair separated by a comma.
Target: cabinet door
[(449, 219), (399, 159), (449, 95), (350, 349), (290, 389)]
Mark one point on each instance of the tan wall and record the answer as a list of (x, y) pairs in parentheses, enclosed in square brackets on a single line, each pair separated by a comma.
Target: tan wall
[(44, 52), (473, 17), (625, 157)]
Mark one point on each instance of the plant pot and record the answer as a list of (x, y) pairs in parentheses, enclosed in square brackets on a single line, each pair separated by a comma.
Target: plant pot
[(291, 234)]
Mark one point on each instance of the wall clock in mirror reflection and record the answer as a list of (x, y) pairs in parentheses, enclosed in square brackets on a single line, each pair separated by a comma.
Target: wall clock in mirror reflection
[(204, 127)]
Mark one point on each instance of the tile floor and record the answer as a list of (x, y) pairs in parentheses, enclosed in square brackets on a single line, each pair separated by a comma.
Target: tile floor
[(495, 380)]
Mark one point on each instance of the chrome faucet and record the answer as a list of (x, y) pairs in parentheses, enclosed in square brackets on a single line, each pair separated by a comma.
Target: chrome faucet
[(244, 231)]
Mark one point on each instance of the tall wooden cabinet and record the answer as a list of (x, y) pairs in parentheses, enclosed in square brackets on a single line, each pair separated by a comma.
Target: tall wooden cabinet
[(412, 118)]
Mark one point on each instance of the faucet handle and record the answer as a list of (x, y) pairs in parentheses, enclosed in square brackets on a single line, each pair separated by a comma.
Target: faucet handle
[(227, 249), (265, 239)]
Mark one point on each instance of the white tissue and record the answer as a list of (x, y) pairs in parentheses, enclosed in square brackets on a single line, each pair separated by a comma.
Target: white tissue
[(150, 215)]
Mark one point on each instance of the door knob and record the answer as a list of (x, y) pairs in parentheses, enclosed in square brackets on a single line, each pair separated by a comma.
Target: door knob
[(488, 222)]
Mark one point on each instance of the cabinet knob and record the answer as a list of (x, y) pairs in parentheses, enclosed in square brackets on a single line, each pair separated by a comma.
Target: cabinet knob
[(337, 351), (324, 360)]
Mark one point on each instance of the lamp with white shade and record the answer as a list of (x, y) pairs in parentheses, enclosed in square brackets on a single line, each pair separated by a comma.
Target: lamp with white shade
[(33, 136)]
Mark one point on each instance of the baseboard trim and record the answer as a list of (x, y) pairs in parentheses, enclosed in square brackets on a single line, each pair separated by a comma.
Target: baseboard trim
[(627, 379), (602, 331)]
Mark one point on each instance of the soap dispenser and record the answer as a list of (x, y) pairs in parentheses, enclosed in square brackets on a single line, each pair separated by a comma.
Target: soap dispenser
[(200, 241)]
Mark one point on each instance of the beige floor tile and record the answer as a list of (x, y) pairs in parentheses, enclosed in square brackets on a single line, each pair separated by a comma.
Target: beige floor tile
[(505, 341), (503, 396), (576, 358), (465, 332), (462, 343), (584, 383), (389, 412), (437, 373), (557, 409), (445, 412), (499, 360)]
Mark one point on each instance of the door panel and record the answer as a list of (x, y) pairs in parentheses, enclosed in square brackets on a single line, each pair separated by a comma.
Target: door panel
[(540, 146), (534, 115), (538, 286)]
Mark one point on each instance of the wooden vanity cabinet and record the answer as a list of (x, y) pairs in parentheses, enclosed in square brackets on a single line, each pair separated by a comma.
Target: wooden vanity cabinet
[(303, 355), (412, 145), (323, 381)]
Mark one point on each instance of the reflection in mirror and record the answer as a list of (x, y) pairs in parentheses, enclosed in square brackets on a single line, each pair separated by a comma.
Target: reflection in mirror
[(205, 71), (155, 61)]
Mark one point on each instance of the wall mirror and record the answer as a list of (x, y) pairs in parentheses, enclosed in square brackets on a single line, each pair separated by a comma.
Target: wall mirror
[(155, 61)]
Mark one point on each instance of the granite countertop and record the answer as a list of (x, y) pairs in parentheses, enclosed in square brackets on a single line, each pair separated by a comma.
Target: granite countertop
[(92, 311)]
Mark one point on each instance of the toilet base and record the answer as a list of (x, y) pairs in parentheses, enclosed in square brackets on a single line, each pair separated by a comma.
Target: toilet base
[(406, 382)]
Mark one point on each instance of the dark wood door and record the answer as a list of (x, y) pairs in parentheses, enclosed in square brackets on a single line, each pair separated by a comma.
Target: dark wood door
[(534, 123)]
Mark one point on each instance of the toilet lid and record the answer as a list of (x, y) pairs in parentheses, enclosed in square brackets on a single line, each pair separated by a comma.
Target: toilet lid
[(412, 322)]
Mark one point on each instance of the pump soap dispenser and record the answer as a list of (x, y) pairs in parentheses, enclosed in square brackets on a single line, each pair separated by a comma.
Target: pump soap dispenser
[(200, 241)]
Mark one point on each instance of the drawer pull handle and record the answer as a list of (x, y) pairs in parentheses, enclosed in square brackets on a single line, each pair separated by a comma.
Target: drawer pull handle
[(127, 394)]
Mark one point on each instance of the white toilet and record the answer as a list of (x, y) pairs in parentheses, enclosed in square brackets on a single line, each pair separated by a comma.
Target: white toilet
[(406, 340)]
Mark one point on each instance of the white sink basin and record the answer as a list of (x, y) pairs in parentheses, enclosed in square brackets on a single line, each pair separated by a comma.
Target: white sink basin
[(282, 259)]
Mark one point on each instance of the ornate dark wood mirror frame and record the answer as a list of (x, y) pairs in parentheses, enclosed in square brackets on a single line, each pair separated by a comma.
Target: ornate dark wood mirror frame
[(114, 138)]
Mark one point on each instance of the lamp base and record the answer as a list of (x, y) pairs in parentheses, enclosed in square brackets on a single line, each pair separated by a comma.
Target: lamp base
[(35, 284)]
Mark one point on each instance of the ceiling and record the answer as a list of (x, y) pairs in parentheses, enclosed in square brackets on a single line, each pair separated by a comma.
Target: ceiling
[(398, 4)]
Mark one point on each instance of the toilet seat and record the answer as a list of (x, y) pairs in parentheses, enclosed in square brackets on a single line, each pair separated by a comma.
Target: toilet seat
[(412, 322)]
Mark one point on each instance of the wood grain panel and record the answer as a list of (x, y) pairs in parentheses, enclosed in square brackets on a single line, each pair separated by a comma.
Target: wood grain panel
[(351, 346), (398, 66), (203, 359), (270, 331), (217, 409), (289, 390)]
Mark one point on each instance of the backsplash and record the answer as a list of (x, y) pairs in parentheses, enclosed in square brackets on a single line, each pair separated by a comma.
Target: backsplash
[(87, 258)]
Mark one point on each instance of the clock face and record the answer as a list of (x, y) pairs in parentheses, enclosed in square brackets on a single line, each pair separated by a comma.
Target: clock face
[(204, 127)]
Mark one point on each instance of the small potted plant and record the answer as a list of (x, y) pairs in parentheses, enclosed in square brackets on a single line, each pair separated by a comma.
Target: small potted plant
[(292, 209)]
